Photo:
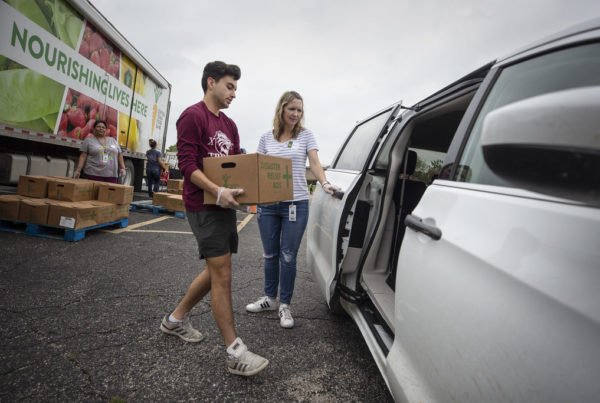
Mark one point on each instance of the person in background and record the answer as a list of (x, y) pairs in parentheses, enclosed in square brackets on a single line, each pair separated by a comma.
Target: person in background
[(204, 131), (100, 157), (153, 167), (282, 224)]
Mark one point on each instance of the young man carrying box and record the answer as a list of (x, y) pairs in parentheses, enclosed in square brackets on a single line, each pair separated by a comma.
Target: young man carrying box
[(204, 131)]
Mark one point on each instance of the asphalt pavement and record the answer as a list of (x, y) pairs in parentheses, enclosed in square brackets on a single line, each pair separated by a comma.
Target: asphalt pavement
[(81, 323)]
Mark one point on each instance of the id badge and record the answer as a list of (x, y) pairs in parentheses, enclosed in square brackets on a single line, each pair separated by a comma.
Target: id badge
[(292, 215), (104, 155)]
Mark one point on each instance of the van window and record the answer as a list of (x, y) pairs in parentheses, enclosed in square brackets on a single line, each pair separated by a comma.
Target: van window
[(564, 69), (428, 165), (357, 149)]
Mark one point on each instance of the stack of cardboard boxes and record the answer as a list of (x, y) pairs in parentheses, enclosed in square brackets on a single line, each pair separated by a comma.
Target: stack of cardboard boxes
[(173, 199), (66, 202)]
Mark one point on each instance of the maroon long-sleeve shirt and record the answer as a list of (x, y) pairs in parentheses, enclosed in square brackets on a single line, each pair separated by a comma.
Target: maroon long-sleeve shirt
[(202, 134)]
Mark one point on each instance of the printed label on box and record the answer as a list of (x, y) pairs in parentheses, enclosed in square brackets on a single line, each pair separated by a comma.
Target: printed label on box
[(68, 222)]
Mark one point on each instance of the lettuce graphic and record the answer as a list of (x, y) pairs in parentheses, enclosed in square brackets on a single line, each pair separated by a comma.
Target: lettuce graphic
[(32, 10), (66, 21), (29, 99)]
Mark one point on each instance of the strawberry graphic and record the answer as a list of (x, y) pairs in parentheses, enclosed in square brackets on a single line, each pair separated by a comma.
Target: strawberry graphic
[(112, 129), (104, 58), (95, 58), (75, 133), (95, 41), (63, 122), (84, 49), (113, 69), (93, 114), (76, 117)]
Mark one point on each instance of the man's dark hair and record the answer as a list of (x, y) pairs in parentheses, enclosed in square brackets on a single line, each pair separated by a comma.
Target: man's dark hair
[(218, 70)]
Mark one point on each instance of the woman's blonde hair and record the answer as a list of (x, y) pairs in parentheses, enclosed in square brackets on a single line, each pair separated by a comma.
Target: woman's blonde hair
[(278, 124)]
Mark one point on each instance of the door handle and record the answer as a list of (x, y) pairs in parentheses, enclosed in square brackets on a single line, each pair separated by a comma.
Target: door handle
[(417, 224), (338, 194)]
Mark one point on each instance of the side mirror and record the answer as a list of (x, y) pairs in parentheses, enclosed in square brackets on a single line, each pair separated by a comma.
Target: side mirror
[(548, 144)]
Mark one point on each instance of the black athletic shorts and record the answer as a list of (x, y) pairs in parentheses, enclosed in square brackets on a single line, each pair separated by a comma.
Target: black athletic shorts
[(215, 231)]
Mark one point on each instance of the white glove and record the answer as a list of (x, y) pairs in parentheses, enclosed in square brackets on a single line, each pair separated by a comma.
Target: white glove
[(331, 189), (226, 197), (122, 172), (244, 208), (76, 174)]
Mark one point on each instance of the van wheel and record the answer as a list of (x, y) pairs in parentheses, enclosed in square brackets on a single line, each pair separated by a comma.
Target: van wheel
[(129, 174), (335, 306)]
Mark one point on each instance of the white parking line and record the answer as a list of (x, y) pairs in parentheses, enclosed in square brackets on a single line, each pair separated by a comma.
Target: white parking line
[(244, 222), (132, 228), (161, 231)]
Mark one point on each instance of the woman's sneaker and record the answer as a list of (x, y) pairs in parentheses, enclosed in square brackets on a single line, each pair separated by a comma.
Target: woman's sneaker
[(263, 304), (285, 316), (243, 362), (183, 329)]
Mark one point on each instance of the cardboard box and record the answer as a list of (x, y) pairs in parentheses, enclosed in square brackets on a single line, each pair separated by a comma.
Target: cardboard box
[(9, 206), (175, 203), (74, 215), (120, 211), (33, 186), (113, 193), (105, 212), (34, 210), (175, 186), (160, 198), (264, 178), (72, 190), (95, 184)]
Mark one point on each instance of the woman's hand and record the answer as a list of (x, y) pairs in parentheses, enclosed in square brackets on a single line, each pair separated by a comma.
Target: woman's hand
[(76, 174), (122, 172), (331, 189)]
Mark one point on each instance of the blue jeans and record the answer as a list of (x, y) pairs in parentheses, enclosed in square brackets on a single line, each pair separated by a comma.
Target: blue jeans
[(281, 240), (153, 180)]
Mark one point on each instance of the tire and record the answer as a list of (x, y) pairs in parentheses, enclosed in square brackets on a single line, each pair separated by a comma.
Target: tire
[(129, 175), (335, 306)]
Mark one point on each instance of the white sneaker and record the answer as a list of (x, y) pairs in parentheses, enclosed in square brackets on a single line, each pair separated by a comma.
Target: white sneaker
[(263, 304), (244, 362), (183, 329), (285, 316)]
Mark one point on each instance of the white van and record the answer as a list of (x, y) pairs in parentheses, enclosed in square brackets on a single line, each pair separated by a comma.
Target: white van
[(466, 243)]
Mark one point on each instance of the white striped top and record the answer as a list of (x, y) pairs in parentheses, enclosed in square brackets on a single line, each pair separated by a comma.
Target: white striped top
[(297, 150)]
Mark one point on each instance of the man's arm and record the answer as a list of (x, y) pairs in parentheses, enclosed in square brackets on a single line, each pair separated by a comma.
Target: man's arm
[(199, 179)]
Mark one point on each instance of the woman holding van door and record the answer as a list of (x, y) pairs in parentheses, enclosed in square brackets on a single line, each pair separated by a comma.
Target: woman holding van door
[(282, 224), (100, 157)]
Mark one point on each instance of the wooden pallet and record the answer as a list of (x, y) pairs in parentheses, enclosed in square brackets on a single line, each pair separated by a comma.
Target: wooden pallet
[(53, 232), (146, 206)]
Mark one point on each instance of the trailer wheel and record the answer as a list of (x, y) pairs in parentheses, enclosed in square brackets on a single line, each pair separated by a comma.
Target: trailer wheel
[(129, 174)]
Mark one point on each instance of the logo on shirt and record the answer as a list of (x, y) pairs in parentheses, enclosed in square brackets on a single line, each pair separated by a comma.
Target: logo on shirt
[(221, 143)]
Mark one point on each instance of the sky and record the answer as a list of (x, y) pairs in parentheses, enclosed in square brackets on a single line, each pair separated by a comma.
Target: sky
[(347, 58)]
